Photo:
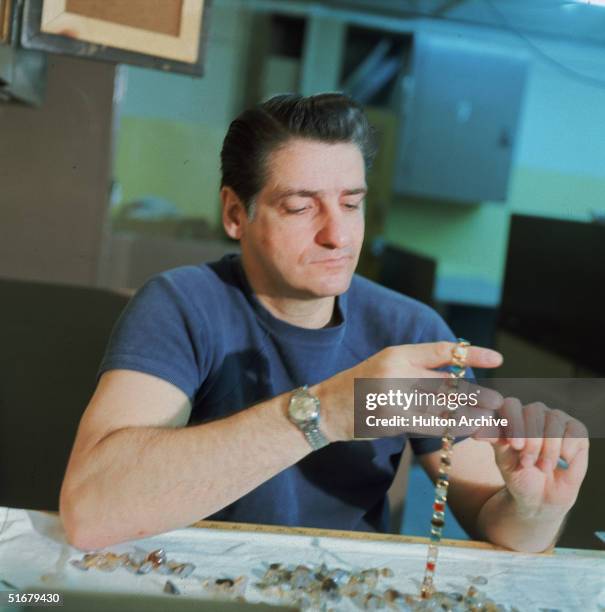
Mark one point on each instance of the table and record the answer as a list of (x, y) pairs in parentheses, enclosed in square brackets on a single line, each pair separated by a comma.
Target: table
[(34, 553)]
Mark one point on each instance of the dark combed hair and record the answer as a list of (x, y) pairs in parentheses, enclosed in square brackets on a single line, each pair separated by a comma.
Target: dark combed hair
[(258, 131)]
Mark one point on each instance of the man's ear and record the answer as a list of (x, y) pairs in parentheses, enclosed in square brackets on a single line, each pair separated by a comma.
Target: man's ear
[(234, 213)]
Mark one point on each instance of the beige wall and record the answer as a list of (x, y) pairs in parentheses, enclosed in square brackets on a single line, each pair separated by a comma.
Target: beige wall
[(54, 175)]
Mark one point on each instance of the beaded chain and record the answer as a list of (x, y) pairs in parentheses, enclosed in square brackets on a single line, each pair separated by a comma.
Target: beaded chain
[(457, 371)]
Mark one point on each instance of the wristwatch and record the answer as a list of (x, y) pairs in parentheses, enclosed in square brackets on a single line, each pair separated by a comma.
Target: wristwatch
[(303, 411)]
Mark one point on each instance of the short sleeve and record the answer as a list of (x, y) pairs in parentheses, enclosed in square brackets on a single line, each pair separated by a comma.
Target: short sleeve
[(157, 334), (435, 330)]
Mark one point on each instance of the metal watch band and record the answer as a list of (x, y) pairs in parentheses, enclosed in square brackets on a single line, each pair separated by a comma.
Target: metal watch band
[(315, 438)]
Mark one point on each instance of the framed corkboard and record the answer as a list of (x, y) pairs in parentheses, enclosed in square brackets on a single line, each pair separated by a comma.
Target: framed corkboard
[(5, 17), (163, 28), (163, 34)]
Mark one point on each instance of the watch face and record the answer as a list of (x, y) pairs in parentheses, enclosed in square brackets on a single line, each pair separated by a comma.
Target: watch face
[(304, 409)]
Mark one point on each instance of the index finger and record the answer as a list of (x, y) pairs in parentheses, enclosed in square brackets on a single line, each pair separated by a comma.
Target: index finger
[(438, 354)]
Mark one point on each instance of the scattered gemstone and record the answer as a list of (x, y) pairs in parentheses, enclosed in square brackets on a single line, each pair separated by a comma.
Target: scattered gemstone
[(171, 588), (137, 562)]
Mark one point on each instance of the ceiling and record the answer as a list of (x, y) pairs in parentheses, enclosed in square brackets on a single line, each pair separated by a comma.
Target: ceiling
[(564, 19)]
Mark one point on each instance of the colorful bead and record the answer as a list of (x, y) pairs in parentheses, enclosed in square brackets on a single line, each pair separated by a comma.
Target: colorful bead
[(439, 506), (430, 566), (456, 369), (441, 493)]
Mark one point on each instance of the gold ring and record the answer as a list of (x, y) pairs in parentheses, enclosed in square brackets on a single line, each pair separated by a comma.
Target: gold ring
[(459, 355)]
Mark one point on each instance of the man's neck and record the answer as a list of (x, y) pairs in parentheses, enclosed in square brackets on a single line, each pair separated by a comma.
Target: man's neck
[(312, 314)]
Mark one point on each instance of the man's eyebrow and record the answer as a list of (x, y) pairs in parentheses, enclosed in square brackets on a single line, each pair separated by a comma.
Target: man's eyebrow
[(357, 190), (307, 193)]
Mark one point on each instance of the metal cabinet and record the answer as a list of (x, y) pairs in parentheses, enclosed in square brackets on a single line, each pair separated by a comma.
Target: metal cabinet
[(460, 102)]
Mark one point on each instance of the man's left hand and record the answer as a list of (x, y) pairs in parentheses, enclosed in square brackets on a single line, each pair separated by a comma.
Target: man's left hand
[(527, 457)]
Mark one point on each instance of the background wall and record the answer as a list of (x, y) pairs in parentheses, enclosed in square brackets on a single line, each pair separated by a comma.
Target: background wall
[(169, 146), (171, 126), (55, 164), (558, 169)]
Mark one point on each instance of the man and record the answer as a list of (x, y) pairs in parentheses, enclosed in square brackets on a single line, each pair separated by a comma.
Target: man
[(224, 347)]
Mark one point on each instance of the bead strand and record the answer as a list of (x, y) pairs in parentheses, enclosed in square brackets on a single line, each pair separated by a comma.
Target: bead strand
[(458, 370)]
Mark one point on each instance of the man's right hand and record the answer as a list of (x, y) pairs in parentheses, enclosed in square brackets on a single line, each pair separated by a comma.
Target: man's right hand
[(409, 361)]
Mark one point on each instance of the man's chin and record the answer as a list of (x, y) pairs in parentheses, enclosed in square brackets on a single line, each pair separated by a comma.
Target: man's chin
[(329, 287)]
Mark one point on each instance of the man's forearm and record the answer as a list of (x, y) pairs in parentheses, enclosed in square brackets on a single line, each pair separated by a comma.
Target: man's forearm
[(502, 522), (141, 481)]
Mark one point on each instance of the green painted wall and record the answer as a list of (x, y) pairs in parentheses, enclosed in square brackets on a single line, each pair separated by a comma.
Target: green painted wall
[(171, 126), (171, 159), (470, 240)]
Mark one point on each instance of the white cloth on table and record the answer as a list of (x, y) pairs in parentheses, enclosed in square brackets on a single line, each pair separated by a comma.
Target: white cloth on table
[(34, 552)]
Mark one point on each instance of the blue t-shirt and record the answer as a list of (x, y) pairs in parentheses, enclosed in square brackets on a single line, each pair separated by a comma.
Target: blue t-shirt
[(202, 329)]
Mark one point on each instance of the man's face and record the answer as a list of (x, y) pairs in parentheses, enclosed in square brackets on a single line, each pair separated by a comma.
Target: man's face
[(306, 235)]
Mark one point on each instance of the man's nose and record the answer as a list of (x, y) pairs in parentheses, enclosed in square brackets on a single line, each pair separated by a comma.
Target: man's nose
[(332, 233)]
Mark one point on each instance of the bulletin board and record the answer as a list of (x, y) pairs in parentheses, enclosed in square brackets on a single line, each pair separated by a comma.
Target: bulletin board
[(5, 15), (163, 28), (168, 35)]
